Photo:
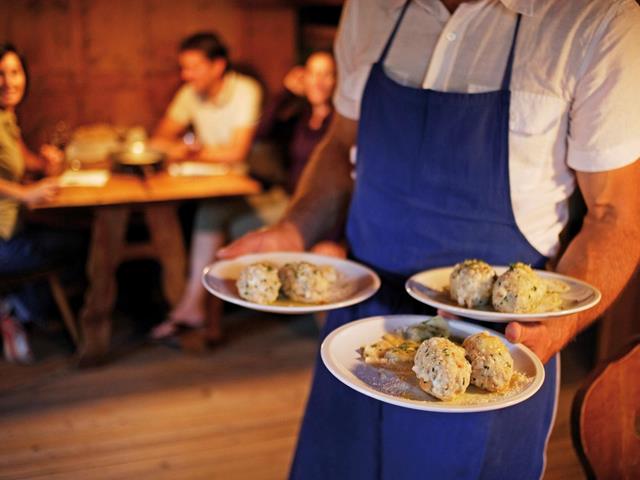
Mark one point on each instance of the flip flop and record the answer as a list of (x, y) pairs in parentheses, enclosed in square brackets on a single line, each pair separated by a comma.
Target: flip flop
[(174, 326), (188, 339)]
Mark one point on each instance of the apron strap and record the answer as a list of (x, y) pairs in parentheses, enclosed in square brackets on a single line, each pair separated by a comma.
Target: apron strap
[(383, 56), (506, 78)]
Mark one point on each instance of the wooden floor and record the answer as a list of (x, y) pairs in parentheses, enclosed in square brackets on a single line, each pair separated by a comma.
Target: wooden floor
[(156, 413)]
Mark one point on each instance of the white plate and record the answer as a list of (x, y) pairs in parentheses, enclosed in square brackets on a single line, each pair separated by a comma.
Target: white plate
[(340, 355), (204, 169), (358, 281), (432, 287), (84, 178)]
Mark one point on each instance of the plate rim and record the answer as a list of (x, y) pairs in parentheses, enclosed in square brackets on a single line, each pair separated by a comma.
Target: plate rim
[(295, 310), (436, 407), (504, 317)]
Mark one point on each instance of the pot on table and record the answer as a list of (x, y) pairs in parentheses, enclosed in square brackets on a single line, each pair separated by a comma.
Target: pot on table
[(138, 161)]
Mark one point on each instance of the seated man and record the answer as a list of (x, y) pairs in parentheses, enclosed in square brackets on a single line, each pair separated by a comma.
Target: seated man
[(222, 107)]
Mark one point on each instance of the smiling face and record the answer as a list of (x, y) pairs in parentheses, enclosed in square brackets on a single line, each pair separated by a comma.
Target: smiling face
[(13, 81), (319, 78), (199, 71)]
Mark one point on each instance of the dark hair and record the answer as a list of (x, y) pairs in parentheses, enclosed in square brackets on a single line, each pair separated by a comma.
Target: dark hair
[(324, 51), (208, 43), (10, 48), (307, 55)]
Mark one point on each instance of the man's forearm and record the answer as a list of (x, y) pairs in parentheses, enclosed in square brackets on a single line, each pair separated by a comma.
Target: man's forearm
[(605, 253), (323, 194), (234, 151), (222, 154)]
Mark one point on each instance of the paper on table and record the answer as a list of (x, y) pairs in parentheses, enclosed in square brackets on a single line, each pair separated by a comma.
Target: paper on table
[(200, 169), (84, 178)]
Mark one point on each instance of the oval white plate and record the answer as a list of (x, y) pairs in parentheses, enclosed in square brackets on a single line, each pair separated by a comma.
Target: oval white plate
[(432, 287), (359, 281), (340, 355)]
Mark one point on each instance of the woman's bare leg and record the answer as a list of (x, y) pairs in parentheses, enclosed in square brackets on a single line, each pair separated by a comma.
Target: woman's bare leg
[(191, 309)]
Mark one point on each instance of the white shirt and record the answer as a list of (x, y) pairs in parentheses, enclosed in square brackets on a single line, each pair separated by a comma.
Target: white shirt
[(237, 105), (575, 87)]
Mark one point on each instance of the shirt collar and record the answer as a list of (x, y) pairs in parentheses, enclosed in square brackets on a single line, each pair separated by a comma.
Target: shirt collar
[(525, 7), (225, 92)]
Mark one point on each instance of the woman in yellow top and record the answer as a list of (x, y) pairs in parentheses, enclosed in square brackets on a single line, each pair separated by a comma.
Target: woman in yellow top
[(22, 247)]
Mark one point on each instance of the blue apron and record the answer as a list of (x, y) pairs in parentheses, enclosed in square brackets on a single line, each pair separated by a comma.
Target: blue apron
[(432, 188)]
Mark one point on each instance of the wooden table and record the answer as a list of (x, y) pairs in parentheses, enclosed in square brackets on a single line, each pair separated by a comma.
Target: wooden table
[(157, 198)]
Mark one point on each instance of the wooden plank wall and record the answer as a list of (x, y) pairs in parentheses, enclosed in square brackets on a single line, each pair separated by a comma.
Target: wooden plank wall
[(115, 60)]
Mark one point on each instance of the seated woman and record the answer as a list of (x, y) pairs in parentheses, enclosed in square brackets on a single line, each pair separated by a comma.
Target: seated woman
[(292, 125), (23, 247), (298, 120)]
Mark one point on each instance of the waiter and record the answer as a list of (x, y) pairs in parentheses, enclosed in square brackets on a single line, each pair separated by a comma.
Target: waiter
[(473, 123)]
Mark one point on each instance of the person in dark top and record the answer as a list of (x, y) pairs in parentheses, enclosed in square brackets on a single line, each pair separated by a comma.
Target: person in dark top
[(293, 125), (317, 83), (297, 119)]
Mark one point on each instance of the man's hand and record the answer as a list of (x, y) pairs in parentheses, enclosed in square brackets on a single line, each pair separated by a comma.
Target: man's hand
[(284, 237), (546, 338), (294, 80)]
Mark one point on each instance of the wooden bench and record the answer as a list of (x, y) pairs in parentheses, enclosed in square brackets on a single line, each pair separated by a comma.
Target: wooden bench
[(605, 417)]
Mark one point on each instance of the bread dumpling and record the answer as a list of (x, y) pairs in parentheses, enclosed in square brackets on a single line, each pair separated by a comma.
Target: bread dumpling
[(471, 283), (308, 283), (441, 368), (518, 290), (491, 362), (259, 283)]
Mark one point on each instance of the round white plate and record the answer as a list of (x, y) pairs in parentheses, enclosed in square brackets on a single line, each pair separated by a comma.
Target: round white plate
[(357, 281), (432, 287), (340, 355)]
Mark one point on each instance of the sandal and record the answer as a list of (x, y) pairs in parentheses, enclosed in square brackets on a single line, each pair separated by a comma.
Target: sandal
[(171, 327), (189, 339)]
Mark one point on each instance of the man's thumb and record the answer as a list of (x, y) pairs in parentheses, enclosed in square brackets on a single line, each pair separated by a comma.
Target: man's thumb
[(514, 332)]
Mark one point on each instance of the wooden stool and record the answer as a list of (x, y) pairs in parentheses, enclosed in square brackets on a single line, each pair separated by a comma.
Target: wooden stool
[(10, 283), (605, 417)]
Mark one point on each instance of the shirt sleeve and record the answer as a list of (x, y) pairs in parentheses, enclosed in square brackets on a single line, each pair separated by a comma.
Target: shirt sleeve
[(352, 75), (604, 131), (12, 164), (248, 105), (181, 107)]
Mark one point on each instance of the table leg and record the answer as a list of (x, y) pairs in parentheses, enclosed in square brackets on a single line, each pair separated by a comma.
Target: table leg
[(107, 240), (166, 237)]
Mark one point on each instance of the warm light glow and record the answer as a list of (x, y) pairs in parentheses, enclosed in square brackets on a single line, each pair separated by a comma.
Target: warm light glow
[(137, 148)]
